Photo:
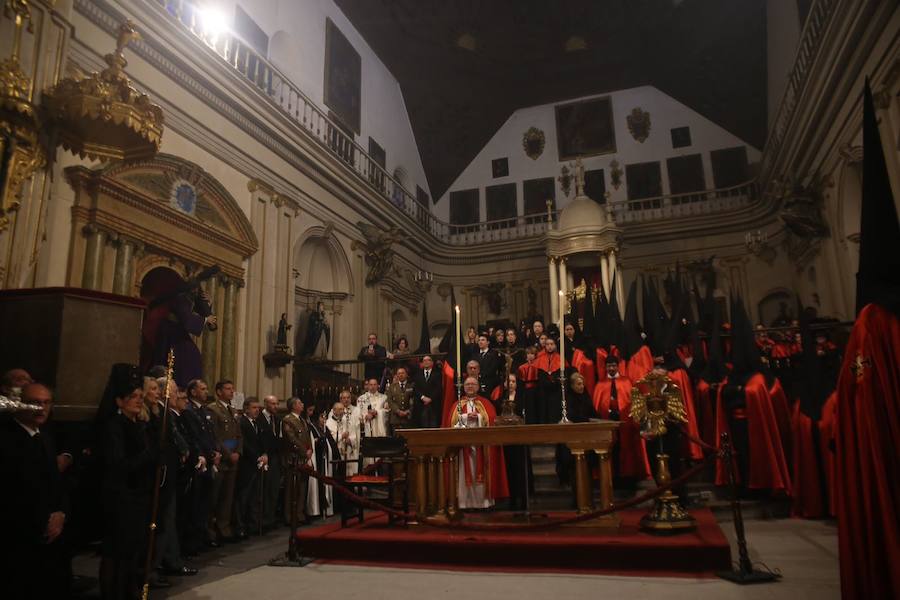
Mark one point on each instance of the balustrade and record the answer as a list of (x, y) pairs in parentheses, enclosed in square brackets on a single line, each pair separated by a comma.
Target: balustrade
[(287, 97)]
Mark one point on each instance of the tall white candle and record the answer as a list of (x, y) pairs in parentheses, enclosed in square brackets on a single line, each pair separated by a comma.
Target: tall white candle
[(458, 339), (562, 333)]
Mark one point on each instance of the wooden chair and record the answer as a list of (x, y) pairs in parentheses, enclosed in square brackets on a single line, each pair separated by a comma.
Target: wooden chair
[(391, 454)]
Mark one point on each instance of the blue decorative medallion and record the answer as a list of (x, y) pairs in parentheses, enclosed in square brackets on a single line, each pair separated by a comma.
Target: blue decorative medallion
[(185, 198)]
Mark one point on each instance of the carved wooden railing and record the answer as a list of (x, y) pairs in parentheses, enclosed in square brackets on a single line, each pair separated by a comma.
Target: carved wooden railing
[(331, 136)]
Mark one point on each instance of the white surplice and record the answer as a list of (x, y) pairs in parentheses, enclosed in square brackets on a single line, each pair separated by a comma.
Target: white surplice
[(348, 448), (472, 496)]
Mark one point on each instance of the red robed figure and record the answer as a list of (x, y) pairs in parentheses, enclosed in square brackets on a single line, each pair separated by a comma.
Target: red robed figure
[(768, 464), (867, 455), (632, 453), (640, 364)]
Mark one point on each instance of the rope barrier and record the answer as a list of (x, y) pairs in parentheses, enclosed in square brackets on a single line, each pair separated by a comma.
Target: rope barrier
[(338, 486)]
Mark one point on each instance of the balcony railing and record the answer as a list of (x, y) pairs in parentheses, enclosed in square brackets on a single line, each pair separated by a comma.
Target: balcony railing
[(301, 110), (690, 204), (810, 41)]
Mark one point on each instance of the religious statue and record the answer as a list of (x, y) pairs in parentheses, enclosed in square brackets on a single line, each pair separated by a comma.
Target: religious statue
[(318, 334), (281, 344), (177, 311), (379, 254)]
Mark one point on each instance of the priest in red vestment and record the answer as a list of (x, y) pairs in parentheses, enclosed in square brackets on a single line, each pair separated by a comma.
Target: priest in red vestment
[(612, 400), (482, 470)]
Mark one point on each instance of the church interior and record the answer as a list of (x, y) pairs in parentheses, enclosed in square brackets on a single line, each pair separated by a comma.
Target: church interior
[(502, 298)]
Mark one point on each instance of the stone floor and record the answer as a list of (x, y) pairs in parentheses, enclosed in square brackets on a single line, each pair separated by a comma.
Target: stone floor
[(805, 552)]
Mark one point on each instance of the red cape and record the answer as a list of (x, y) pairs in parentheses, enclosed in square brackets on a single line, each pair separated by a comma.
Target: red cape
[(808, 501), (683, 381), (867, 445), (632, 453), (782, 409), (768, 464), (704, 401), (827, 433), (585, 367), (601, 355), (640, 364)]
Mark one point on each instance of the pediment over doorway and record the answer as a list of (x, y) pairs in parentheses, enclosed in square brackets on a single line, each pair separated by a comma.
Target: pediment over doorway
[(170, 205)]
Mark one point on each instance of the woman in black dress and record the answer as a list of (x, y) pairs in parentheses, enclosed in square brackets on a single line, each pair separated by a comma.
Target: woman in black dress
[(130, 457)]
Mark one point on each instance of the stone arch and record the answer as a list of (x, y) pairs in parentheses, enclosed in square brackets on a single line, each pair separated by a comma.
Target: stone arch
[(769, 306), (321, 263)]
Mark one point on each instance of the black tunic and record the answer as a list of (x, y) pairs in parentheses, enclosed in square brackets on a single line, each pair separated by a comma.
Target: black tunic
[(128, 486)]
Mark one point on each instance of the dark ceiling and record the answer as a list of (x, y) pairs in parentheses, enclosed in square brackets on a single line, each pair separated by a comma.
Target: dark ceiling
[(708, 54)]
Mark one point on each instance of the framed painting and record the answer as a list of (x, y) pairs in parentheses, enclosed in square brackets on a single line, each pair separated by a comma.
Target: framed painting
[(585, 128), (343, 77)]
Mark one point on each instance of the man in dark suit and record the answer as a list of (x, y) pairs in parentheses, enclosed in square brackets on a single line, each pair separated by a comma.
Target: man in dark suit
[(199, 422), (373, 354), (33, 507), (252, 467), (490, 362), (429, 390), (269, 425)]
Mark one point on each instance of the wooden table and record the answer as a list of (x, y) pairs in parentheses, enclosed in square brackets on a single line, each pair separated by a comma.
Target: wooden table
[(434, 450)]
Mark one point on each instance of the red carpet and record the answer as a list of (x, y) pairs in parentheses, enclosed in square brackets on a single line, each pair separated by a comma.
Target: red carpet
[(626, 551)]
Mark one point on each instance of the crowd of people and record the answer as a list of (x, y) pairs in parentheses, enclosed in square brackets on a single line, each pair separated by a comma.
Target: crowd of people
[(209, 473)]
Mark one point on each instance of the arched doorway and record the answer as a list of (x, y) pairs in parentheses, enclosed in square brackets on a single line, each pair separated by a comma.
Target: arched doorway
[(137, 225)]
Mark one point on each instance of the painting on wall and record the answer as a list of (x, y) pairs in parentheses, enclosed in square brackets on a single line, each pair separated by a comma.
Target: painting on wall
[(537, 192), (585, 128), (464, 207), (501, 201), (343, 77)]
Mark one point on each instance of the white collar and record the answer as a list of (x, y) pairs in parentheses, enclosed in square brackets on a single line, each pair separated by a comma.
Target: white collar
[(29, 430)]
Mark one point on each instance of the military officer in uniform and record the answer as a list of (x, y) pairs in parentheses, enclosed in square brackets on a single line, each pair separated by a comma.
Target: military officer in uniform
[(400, 397), (227, 430), (296, 450)]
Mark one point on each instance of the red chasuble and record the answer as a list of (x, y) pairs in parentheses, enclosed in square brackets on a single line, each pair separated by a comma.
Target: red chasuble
[(683, 381), (640, 364), (768, 464), (632, 460), (867, 458), (490, 466)]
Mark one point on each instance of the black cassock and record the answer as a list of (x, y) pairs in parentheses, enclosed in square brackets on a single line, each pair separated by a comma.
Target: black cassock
[(579, 409)]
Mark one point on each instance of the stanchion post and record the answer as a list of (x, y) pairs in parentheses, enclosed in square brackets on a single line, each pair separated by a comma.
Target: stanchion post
[(745, 574), (292, 557)]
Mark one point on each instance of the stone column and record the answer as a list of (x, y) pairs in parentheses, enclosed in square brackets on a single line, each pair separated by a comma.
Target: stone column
[(124, 266), (228, 326), (554, 288), (210, 339), (604, 274), (92, 276)]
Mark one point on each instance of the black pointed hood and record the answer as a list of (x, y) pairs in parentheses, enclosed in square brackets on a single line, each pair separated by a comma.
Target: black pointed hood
[(878, 276), (631, 338)]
